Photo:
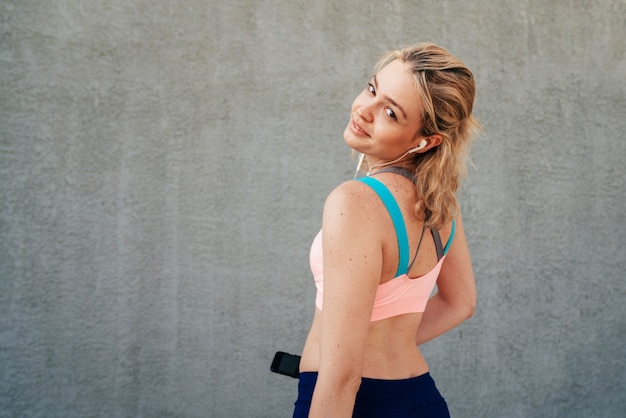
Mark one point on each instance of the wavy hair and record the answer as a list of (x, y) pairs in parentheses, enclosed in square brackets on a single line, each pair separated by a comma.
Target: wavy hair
[(446, 88)]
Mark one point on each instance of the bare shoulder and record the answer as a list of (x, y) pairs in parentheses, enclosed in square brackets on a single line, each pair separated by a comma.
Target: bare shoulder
[(353, 198)]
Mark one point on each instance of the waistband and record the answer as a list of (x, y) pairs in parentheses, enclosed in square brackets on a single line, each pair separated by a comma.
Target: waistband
[(381, 393)]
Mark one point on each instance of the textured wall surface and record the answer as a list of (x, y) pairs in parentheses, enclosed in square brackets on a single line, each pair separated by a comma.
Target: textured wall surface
[(163, 167)]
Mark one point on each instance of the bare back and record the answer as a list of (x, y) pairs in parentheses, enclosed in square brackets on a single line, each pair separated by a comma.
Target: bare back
[(389, 351)]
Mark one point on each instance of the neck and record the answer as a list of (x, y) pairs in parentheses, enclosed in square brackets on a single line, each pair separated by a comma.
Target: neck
[(375, 166), (404, 172)]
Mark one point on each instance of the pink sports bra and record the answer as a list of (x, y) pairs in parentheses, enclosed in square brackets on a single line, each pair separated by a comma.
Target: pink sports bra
[(401, 294)]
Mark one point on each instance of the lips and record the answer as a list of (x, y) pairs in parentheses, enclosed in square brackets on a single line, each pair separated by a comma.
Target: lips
[(357, 128)]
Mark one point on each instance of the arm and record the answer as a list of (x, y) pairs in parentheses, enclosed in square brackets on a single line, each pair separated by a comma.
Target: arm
[(456, 291), (352, 265)]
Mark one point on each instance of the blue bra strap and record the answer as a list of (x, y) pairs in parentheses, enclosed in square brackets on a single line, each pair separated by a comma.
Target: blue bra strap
[(445, 250), (397, 219)]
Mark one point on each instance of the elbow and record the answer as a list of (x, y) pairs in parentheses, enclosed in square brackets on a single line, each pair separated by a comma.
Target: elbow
[(468, 307), (341, 385), (463, 307), (353, 383), (469, 310), (347, 378)]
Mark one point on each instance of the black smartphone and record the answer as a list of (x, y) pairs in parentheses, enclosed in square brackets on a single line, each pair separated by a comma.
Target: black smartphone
[(287, 364)]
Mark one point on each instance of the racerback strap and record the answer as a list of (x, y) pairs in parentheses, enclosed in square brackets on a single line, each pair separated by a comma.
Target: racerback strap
[(397, 219)]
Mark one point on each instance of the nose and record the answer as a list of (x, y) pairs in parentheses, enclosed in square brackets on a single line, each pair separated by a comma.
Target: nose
[(364, 112)]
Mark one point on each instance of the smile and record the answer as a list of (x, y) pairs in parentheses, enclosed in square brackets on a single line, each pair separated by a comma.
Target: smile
[(357, 129)]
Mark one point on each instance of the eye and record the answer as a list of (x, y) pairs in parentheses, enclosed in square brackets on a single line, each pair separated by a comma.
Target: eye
[(371, 89), (391, 114)]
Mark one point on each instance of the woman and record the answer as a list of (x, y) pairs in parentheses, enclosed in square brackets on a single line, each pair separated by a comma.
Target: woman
[(387, 238)]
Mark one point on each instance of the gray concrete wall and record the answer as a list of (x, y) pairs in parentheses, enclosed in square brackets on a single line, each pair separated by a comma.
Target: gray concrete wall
[(163, 167)]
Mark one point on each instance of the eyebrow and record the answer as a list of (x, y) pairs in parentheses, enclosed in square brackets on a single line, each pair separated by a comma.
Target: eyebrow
[(389, 99)]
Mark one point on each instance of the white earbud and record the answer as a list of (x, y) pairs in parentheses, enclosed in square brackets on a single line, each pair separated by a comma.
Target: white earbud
[(421, 145)]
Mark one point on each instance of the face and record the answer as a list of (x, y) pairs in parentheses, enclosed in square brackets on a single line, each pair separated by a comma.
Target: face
[(385, 119)]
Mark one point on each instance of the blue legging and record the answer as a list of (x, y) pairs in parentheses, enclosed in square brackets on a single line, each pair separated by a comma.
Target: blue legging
[(376, 398)]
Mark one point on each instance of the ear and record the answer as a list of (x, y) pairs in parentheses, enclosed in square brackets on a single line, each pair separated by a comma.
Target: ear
[(431, 142), (434, 141)]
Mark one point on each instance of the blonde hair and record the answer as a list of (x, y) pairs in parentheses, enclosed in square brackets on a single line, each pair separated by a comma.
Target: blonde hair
[(446, 88)]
